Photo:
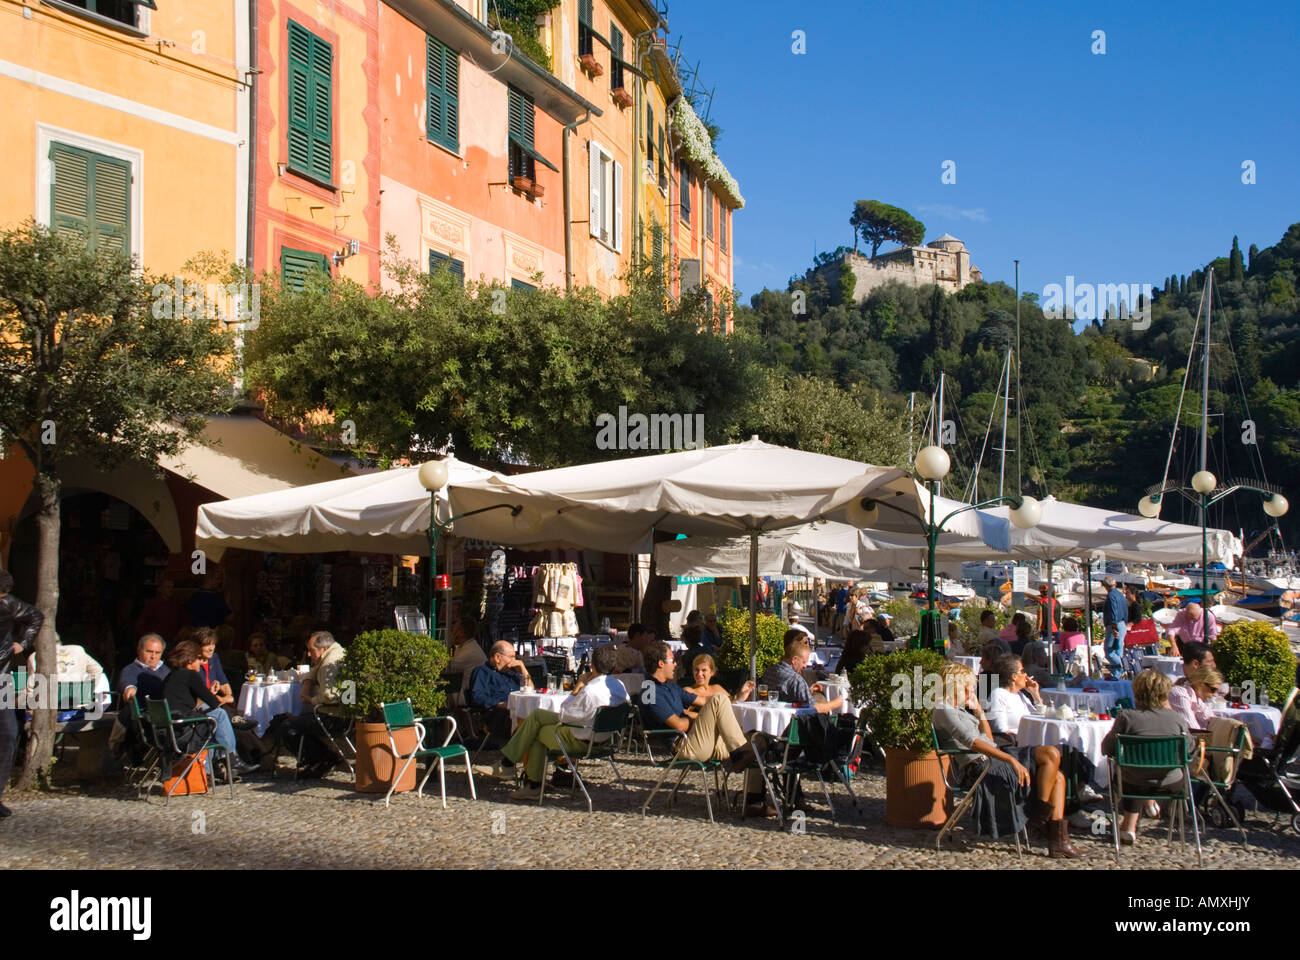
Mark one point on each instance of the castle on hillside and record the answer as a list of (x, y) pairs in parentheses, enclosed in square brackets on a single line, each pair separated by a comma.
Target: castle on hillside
[(945, 262)]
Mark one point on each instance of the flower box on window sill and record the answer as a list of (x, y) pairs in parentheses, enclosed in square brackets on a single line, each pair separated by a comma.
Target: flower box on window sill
[(528, 186), (621, 96), (591, 66)]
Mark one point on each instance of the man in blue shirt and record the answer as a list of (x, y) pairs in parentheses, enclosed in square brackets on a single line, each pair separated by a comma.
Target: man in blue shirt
[(144, 675), (840, 597), (712, 731), (1115, 619), (491, 684)]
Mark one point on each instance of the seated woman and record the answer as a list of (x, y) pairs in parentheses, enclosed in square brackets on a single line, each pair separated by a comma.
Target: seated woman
[(1017, 696), (856, 648), (960, 724), (1024, 633), (185, 687), (1190, 697), (703, 670), (1152, 718), (260, 658)]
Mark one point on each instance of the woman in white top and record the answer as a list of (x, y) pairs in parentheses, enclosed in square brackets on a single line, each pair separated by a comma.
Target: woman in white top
[(1017, 696)]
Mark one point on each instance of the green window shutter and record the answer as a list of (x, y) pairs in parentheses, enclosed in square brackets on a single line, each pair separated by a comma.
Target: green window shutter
[(297, 265), (91, 197), (438, 260), (657, 249), (520, 134), (584, 12), (443, 108), (520, 285), (615, 57), (311, 93), (722, 227)]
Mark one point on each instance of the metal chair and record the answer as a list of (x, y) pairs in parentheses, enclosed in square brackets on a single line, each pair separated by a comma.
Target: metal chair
[(609, 721), (150, 759), (330, 739), (792, 767), (165, 729), (1153, 755), (1216, 806), (400, 715), (673, 761), (963, 794)]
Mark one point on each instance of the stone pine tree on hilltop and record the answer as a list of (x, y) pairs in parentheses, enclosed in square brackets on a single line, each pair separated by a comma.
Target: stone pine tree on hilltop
[(878, 223), (90, 373)]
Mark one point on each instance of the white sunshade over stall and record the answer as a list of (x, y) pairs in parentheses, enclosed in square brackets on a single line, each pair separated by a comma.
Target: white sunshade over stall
[(729, 490)]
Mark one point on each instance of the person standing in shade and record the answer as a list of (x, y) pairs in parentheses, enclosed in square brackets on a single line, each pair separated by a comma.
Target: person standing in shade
[(1115, 619), (19, 624)]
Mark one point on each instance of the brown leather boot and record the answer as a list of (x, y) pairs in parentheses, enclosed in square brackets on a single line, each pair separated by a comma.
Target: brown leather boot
[(1059, 846)]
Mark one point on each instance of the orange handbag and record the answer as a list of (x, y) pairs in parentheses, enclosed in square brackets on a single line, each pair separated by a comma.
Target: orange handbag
[(196, 780)]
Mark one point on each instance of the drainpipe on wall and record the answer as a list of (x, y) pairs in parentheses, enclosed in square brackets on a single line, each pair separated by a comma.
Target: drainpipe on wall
[(638, 114), (674, 188), (252, 135), (568, 204)]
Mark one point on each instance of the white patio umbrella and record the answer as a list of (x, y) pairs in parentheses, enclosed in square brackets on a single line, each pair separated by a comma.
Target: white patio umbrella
[(744, 488), (383, 512)]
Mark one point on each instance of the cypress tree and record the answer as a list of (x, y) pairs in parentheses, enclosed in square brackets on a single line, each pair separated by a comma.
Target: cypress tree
[(1236, 268), (1182, 283), (1253, 252)]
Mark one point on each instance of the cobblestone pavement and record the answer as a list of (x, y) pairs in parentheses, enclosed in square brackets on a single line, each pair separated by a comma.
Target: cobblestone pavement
[(282, 824)]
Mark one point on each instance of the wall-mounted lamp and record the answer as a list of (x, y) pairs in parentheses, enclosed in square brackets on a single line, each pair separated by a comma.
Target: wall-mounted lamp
[(351, 250)]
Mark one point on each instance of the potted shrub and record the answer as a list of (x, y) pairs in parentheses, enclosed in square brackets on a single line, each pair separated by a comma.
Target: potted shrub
[(1257, 658), (899, 691), (382, 666), (734, 655)]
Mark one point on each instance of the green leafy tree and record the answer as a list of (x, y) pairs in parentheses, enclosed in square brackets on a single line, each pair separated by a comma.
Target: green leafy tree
[(879, 223), (1236, 266), (90, 371)]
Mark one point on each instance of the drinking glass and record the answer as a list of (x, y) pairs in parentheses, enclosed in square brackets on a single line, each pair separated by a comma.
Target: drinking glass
[(762, 692)]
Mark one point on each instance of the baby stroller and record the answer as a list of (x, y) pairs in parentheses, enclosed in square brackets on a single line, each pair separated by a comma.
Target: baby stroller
[(1265, 775)]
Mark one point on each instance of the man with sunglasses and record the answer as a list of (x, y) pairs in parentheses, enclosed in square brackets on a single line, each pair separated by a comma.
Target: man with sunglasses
[(712, 731)]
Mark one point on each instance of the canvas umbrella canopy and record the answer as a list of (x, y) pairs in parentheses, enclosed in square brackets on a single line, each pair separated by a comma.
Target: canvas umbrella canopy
[(743, 488), (383, 512)]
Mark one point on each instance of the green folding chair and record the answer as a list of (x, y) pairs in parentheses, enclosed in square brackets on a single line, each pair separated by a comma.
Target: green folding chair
[(165, 729), (668, 762), (964, 795), (151, 757), (610, 721), (791, 768), (1218, 812), (1146, 756), (400, 715)]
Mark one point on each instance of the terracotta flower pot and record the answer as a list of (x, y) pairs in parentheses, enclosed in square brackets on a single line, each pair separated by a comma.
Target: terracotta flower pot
[(538, 190), (622, 97), (375, 767), (915, 794), (523, 184), (591, 65)]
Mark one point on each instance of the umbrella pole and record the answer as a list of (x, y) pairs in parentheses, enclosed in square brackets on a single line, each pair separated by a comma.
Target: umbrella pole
[(1087, 612), (753, 606)]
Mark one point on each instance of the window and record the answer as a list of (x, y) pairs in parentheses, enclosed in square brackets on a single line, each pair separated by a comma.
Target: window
[(657, 250), (585, 28), (520, 285), (650, 135), (443, 107), (663, 162), (90, 196), (615, 57), (438, 261), (123, 11), (606, 181), (523, 154), (311, 119), (707, 197), (685, 199), (722, 227), (296, 266)]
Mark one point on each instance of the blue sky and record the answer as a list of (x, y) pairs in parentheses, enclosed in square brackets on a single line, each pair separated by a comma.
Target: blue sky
[(1116, 168)]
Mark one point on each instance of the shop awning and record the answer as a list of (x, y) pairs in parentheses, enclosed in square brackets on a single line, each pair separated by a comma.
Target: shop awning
[(243, 456)]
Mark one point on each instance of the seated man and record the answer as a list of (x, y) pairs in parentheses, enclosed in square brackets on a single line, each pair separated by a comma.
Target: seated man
[(74, 666), (320, 693), (466, 656), (786, 675), (146, 673), (1196, 654), (712, 731), (1034, 658), (491, 684), (711, 636), (545, 730), (987, 634), (631, 654)]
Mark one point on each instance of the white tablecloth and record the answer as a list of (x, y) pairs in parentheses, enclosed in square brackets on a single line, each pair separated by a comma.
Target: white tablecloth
[(1085, 735), (772, 719), (1120, 688), (1262, 722), (521, 703), (833, 690), (262, 701), (1170, 666), (1101, 702)]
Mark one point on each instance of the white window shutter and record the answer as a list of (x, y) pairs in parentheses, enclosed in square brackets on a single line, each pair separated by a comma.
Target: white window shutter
[(618, 207), (593, 165)]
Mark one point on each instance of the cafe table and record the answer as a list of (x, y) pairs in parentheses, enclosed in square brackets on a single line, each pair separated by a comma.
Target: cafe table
[(770, 718), (1122, 689), (1262, 722), (1084, 735), (1169, 666), (1102, 701), (523, 702), (261, 701)]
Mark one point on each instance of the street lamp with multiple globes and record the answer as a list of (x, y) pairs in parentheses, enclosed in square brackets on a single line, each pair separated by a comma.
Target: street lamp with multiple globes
[(932, 465), (433, 477), (1205, 487)]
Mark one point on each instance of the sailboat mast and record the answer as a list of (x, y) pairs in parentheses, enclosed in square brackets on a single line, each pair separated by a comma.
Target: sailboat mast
[(938, 427), (1006, 402), (911, 409), (1019, 481), (1205, 370)]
